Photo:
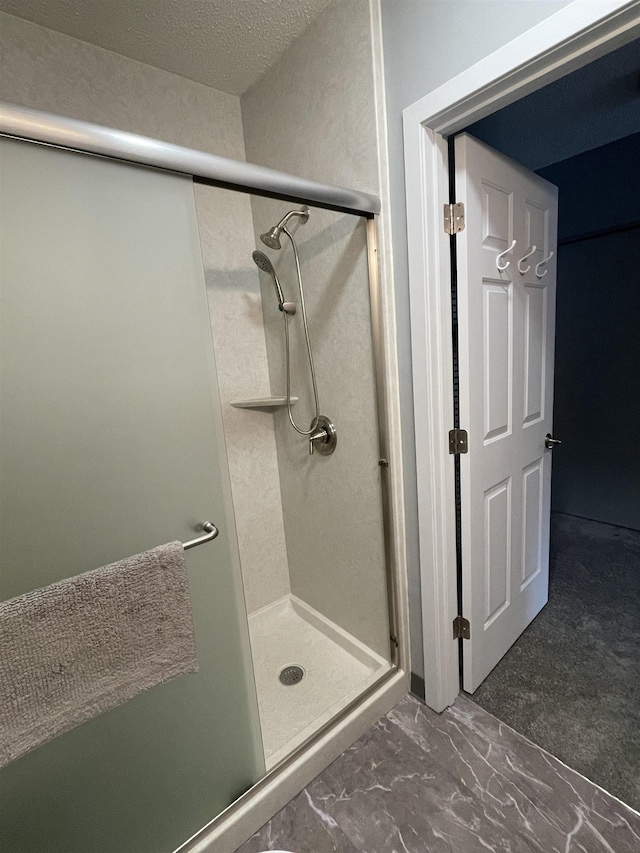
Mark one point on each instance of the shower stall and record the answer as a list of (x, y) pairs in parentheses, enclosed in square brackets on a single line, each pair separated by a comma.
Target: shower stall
[(169, 356)]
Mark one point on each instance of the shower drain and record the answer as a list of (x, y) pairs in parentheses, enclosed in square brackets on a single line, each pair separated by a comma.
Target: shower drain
[(291, 674)]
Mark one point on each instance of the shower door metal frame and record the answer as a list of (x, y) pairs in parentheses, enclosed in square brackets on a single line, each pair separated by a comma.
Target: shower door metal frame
[(382, 405), (87, 138), (83, 137)]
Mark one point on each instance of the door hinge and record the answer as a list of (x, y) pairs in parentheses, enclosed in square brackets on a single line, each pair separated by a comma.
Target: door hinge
[(461, 628), (458, 441), (453, 218)]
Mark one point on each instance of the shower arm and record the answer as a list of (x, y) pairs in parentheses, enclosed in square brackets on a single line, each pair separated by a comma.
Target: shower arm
[(303, 214), (272, 238)]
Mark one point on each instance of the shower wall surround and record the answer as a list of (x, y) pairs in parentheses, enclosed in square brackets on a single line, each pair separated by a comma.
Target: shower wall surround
[(332, 513), (332, 504), (313, 113), (47, 70), (233, 288), (51, 71)]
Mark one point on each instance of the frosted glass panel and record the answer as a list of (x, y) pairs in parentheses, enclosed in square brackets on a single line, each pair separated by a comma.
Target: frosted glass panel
[(111, 444)]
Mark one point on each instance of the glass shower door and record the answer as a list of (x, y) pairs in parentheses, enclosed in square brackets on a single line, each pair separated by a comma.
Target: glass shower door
[(110, 444)]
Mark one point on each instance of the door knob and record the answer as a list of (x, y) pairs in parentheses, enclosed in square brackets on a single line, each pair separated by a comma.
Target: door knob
[(550, 442)]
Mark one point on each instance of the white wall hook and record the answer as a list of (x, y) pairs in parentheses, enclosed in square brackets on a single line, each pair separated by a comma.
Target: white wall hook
[(502, 267), (524, 258), (543, 261)]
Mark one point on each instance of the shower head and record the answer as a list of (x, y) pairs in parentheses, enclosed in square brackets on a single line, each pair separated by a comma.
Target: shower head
[(272, 238), (263, 263)]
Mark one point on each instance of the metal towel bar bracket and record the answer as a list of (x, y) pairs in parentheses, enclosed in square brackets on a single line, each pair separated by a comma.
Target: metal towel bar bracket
[(211, 531)]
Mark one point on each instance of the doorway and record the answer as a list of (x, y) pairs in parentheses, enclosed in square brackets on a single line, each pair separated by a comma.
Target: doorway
[(473, 94), (574, 37), (571, 682)]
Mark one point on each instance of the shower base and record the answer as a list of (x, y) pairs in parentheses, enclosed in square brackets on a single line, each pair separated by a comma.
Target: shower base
[(337, 668)]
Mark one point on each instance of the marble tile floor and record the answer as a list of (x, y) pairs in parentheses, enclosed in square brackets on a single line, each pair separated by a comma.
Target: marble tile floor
[(421, 782)]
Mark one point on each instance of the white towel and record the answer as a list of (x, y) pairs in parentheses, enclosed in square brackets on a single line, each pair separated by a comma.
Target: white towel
[(77, 648)]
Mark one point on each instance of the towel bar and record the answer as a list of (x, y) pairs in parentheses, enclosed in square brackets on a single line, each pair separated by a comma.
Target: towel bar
[(211, 531)]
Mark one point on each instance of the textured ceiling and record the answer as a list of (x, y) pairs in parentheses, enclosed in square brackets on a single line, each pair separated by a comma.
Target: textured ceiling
[(226, 44)]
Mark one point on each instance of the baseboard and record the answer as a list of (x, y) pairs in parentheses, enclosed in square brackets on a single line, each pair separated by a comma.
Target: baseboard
[(417, 687), (597, 520)]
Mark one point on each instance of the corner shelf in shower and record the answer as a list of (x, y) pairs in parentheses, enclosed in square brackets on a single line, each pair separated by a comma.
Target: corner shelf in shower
[(264, 404)]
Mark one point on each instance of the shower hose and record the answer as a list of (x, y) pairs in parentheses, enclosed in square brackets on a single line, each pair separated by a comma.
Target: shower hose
[(287, 359)]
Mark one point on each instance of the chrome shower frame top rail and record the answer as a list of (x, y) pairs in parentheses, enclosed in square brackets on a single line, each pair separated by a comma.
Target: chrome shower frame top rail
[(37, 126)]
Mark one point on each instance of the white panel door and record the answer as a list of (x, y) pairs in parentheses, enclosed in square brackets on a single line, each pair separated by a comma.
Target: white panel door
[(506, 325)]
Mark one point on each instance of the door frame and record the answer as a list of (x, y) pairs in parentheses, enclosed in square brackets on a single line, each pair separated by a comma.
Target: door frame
[(574, 36)]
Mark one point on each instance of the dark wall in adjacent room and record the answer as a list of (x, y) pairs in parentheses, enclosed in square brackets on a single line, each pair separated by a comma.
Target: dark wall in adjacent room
[(591, 107), (596, 472)]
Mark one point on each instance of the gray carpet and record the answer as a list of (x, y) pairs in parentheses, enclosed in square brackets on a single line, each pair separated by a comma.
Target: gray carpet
[(571, 683)]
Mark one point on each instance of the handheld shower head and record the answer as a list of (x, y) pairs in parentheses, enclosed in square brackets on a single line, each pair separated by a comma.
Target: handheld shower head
[(263, 263), (272, 238)]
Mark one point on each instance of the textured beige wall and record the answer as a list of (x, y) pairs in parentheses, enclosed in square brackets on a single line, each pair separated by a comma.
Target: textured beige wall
[(235, 307), (313, 114), (50, 71)]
